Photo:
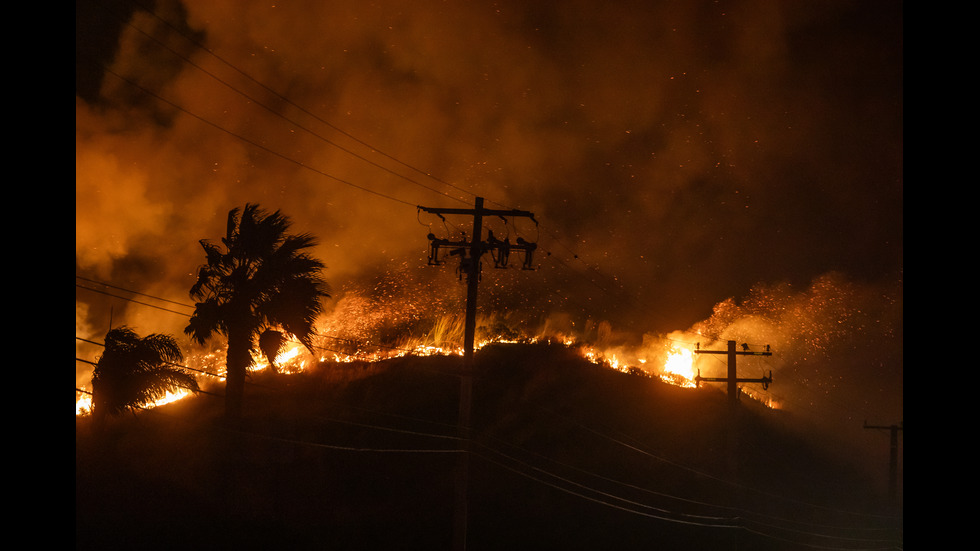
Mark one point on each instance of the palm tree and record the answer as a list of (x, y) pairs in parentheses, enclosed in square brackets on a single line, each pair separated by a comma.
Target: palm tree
[(136, 371), (262, 278)]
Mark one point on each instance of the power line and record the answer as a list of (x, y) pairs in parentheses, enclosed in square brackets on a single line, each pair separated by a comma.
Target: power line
[(305, 111), (285, 99), (255, 144), (581, 494), (131, 300), (737, 520), (133, 292), (280, 115)]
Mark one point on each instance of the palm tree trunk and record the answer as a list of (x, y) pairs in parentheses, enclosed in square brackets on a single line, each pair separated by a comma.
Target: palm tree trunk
[(238, 359)]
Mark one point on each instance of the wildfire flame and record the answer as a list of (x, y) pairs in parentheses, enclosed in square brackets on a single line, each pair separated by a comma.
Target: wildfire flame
[(83, 405), (291, 360), (679, 367), (443, 339)]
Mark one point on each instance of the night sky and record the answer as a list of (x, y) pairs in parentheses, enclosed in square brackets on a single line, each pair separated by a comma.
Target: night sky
[(734, 167)]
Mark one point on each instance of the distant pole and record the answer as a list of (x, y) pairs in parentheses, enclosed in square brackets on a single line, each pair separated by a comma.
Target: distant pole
[(892, 460)]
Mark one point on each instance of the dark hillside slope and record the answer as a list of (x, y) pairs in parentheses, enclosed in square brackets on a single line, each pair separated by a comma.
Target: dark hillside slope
[(564, 455)]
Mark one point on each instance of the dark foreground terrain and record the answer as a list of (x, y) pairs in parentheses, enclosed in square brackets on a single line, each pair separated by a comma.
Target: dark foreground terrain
[(564, 455)]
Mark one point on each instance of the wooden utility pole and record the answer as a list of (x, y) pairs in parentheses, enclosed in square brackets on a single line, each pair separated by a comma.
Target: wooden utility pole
[(470, 266), (893, 459), (732, 378), (734, 419)]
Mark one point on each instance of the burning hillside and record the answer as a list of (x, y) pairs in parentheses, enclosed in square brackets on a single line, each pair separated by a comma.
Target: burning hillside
[(806, 330), (347, 336), (676, 169), (562, 450), (672, 156)]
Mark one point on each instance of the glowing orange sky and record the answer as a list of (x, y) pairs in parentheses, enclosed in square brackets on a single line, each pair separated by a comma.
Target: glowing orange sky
[(676, 154)]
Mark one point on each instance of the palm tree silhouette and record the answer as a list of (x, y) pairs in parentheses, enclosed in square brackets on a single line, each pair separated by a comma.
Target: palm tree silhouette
[(263, 278), (136, 371)]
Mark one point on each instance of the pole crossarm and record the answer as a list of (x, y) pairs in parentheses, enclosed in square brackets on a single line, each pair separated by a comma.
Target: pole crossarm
[(766, 381), (480, 211), (900, 426), (768, 352), (499, 249)]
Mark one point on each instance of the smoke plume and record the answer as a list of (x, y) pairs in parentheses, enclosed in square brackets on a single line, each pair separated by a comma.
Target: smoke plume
[(675, 155)]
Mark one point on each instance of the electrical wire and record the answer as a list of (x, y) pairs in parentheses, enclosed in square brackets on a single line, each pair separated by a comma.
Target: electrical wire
[(592, 268), (133, 292), (131, 300), (581, 494), (271, 110), (257, 145), (288, 101)]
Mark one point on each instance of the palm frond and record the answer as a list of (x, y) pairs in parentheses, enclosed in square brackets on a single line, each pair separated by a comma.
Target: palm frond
[(136, 371)]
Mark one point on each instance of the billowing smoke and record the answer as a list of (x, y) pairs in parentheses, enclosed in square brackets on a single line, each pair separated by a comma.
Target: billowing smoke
[(838, 357), (674, 154), (837, 345)]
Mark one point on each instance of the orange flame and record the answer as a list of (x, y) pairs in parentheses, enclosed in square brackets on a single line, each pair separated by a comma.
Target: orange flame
[(442, 339), (679, 367)]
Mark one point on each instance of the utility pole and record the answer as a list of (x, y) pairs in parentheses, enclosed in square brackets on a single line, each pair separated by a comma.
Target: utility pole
[(732, 378), (470, 266), (893, 459), (734, 419)]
